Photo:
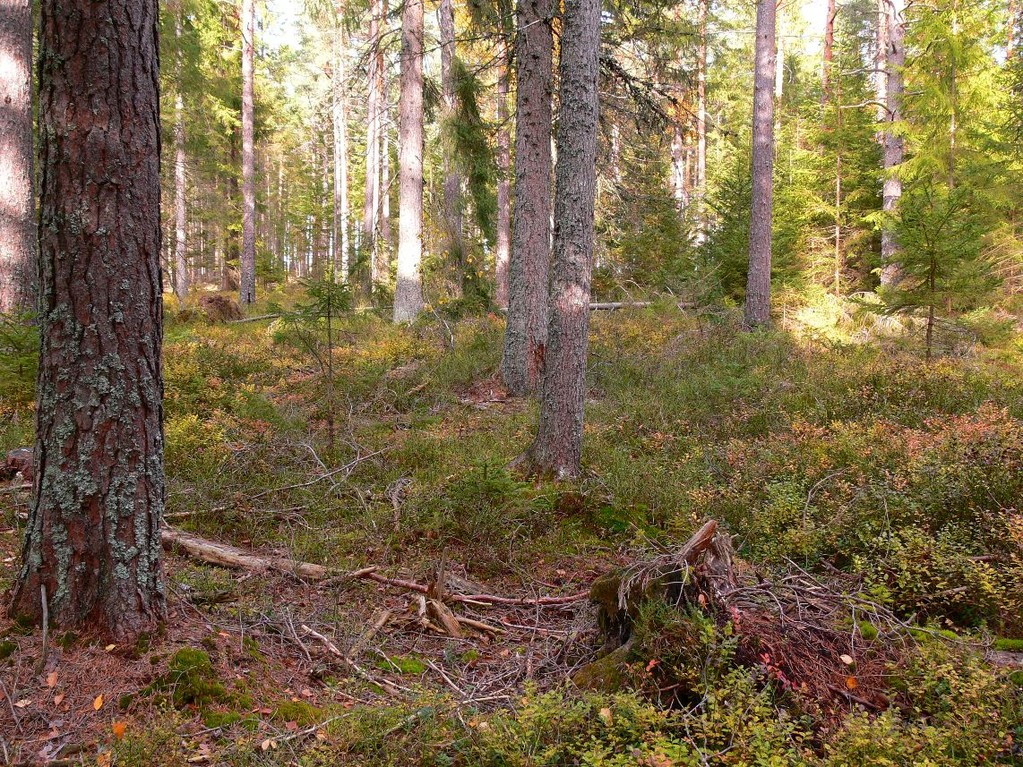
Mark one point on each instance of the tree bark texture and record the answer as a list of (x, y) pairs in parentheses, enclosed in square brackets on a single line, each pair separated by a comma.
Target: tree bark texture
[(829, 48), (503, 245), (248, 257), (93, 537), (17, 153), (758, 286), (525, 339), (893, 144), (180, 174), (408, 293), (382, 236), (557, 450)]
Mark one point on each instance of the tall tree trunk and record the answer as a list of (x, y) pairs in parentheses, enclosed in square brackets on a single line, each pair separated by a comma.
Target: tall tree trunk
[(892, 143), (92, 546), (180, 179), (452, 181), (408, 293), (678, 164), (371, 195), (829, 48), (525, 339), (339, 116), (502, 251), (701, 125), (248, 256), (758, 287), (382, 245), (557, 450), (17, 155)]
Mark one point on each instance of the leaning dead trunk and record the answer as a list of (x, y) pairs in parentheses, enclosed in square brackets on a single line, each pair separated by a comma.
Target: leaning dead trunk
[(408, 293), (557, 450), (92, 546), (248, 256), (17, 225), (525, 339), (758, 287)]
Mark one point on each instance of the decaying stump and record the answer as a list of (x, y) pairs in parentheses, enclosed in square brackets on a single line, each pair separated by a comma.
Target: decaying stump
[(18, 461), (220, 308), (826, 641)]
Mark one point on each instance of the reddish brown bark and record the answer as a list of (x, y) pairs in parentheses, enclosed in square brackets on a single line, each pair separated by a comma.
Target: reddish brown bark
[(17, 200), (557, 450), (93, 537), (525, 339)]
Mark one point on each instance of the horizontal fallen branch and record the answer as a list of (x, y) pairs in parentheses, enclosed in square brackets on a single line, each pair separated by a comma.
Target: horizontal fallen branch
[(230, 556)]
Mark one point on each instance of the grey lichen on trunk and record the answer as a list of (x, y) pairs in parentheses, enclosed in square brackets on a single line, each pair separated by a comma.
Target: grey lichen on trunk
[(529, 264), (93, 532), (557, 450), (758, 284)]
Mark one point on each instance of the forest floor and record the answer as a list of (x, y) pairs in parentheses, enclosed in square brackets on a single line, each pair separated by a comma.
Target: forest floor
[(826, 447)]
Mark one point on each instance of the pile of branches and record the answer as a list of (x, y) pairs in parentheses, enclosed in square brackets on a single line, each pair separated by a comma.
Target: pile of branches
[(822, 639)]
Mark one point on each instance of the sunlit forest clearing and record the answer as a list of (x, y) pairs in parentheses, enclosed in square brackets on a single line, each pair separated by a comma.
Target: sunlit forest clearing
[(511, 385)]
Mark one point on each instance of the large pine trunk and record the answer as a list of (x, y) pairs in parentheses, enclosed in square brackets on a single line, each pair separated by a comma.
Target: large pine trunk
[(92, 547), (557, 450), (17, 225), (503, 246), (893, 145), (408, 293), (758, 286), (525, 339), (248, 256), (180, 178)]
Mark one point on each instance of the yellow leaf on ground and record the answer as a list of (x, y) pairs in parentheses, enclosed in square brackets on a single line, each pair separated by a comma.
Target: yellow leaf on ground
[(98, 703), (851, 683)]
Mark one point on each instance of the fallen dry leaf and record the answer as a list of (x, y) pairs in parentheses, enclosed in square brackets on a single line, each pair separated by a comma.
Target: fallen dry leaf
[(98, 703), (291, 726), (104, 760), (23, 703), (851, 683), (846, 659), (58, 699), (110, 647), (119, 729), (51, 679)]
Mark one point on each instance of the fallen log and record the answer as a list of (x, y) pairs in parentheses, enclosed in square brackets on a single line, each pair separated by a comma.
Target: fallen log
[(230, 556)]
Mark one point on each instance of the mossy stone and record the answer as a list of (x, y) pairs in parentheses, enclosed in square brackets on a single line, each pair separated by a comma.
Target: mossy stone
[(298, 711), (607, 674)]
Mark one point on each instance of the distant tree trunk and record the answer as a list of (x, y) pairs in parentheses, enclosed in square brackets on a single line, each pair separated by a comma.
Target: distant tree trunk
[(17, 155), (758, 287), (501, 253), (525, 339), (371, 198), (92, 545), (180, 180), (248, 256), (678, 164), (339, 118), (452, 181), (408, 293), (893, 144), (382, 243), (829, 48), (557, 450), (701, 124)]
